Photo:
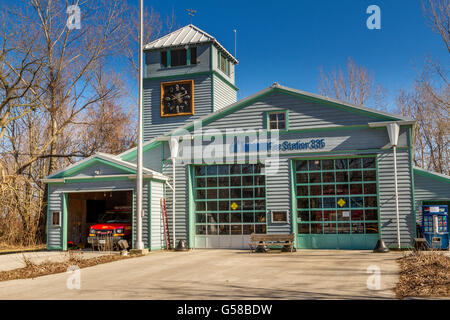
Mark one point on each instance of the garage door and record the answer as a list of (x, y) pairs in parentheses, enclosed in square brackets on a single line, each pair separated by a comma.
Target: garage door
[(337, 203), (230, 204)]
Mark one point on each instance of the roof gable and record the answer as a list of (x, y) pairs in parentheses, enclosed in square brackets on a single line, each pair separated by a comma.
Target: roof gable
[(378, 116), (104, 163), (276, 88)]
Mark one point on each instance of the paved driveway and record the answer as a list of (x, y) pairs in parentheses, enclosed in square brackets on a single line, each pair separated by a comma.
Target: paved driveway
[(221, 274)]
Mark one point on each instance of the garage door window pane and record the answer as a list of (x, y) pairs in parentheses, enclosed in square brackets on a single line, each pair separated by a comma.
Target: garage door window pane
[(201, 183), (355, 163), (329, 228), (316, 228), (371, 215), (343, 228), (371, 227), (236, 229), (302, 178), (315, 178), (248, 229), (302, 165), (370, 175), (222, 170), (201, 206), (327, 164), (329, 215), (235, 169), (260, 228), (224, 217), (224, 229), (224, 181), (211, 218), (236, 217), (260, 217), (212, 229), (201, 229), (212, 193), (211, 170), (314, 165), (369, 163), (357, 228), (370, 188), (212, 182), (341, 177), (303, 215), (303, 228), (201, 194), (341, 164), (224, 193)]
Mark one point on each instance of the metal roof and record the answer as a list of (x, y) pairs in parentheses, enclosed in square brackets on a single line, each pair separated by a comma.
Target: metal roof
[(187, 35)]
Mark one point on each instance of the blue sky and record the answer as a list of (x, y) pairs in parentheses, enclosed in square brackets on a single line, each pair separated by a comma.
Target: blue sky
[(287, 40)]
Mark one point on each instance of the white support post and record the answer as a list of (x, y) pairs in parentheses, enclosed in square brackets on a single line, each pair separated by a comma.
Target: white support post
[(393, 132), (139, 243)]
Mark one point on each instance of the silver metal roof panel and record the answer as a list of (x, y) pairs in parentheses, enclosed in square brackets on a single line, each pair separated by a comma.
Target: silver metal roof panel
[(189, 34)]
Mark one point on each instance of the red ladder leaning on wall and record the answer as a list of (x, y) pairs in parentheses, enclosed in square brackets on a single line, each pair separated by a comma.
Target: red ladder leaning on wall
[(165, 223)]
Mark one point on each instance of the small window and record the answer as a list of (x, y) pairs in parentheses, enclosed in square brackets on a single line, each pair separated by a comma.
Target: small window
[(193, 55), (56, 221), (178, 57), (164, 59), (223, 63), (277, 121), (279, 216)]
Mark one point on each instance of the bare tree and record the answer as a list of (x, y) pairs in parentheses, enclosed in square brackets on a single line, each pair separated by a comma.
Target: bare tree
[(437, 13), (64, 95), (429, 100), (18, 71), (432, 129), (356, 85)]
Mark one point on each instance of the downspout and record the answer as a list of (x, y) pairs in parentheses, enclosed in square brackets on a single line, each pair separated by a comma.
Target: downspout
[(393, 131)]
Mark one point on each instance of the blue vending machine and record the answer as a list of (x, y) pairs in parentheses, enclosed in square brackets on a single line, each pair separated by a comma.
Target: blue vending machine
[(435, 225)]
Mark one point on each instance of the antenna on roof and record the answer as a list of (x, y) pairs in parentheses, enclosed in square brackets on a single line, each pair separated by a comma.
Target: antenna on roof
[(191, 12), (235, 43)]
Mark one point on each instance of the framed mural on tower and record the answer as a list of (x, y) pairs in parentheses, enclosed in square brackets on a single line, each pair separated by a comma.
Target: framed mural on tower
[(177, 98)]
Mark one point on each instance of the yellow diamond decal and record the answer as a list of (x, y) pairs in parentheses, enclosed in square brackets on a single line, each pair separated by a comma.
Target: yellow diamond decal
[(341, 202), (234, 206)]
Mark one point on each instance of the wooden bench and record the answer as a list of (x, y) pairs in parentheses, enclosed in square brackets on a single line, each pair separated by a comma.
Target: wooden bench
[(284, 239)]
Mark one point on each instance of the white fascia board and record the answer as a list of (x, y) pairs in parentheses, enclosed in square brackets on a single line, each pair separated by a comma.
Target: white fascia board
[(386, 123)]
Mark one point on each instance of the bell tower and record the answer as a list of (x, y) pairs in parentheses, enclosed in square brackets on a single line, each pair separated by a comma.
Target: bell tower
[(188, 74)]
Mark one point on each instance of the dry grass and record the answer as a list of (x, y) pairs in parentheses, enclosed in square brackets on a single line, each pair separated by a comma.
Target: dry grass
[(33, 270), (5, 248), (424, 274)]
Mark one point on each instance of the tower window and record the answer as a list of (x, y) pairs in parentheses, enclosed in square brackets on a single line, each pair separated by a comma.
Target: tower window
[(223, 64), (178, 57), (164, 58), (193, 55)]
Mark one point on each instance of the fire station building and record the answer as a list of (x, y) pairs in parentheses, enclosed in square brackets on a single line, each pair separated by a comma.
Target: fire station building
[(338, 176)]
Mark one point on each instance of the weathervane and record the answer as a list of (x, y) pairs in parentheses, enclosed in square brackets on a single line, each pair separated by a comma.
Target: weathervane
[(191, 12)]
